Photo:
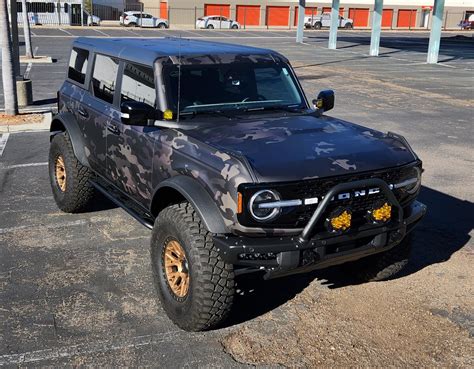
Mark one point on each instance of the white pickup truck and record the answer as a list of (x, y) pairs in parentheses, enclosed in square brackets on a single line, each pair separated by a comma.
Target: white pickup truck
[(324, 20)]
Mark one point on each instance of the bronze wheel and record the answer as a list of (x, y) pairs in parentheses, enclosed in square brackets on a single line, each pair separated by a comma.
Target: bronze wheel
[(176, 268), (60, 171)]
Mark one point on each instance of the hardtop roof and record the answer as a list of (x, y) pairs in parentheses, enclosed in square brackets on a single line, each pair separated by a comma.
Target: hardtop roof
[(147, 50)]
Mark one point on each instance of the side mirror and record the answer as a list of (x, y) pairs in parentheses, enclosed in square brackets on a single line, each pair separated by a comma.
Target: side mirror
[(136, 113), (325, 100)]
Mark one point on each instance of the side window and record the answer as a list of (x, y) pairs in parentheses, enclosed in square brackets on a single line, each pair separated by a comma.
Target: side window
[(138, 84), (104, 77), (78, 65)]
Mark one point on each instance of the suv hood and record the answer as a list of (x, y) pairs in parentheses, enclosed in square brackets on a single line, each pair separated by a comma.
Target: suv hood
[(292, 148)]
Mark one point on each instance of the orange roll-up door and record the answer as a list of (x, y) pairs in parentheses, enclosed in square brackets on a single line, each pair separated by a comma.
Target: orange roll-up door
[(164, 10), (278, 15), (359, 16), (387, 17), (248, 15), (406, 18), (217, 9)]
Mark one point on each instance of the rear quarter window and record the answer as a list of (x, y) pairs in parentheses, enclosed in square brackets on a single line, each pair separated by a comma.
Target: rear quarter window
[(78, 65), (104, 77)]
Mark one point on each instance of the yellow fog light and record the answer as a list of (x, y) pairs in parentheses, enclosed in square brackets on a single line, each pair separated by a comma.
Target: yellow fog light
[(383, 213), (340, 220), (167, 114)]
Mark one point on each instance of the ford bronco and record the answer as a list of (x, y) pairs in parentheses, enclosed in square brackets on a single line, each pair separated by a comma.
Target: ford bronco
[(216, 149)]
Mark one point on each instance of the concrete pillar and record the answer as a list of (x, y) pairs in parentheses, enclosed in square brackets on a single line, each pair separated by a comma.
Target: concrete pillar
[(334, 25), (376, 28), (301, 14), (435, 35)]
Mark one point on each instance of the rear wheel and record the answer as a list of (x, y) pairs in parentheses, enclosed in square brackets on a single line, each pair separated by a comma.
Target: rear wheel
[(69, 179), (131, 24), (195, 286), (210, 26), (235, 26), (348, 26), (317, 25), (380, 267)]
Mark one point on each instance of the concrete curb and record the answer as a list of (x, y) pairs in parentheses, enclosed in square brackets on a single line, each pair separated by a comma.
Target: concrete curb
[(31, 127), (36, 60)]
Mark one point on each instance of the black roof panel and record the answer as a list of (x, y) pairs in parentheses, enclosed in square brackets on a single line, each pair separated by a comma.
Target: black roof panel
[(147, 50)]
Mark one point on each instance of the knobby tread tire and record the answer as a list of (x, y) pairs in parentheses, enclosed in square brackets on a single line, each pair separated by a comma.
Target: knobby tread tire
[(385, 265), (79, 192), (211, 292)]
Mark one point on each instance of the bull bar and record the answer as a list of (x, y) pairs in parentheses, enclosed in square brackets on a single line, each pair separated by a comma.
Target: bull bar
[(289, 252)]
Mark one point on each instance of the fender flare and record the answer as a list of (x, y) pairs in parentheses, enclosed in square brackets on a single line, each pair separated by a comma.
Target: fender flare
[(68, 121), (199, 198)]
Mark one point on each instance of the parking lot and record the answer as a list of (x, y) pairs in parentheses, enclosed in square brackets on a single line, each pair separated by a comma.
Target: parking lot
[(77, 289)]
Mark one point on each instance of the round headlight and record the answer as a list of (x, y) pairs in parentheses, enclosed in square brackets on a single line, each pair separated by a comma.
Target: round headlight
[(415, 186), (262, 213)]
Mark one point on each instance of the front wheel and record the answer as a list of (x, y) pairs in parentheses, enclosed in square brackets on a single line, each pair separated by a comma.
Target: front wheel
[(161, 25), (348, 26), (317, 25), (235, 26), (210, 26), (195, 286)]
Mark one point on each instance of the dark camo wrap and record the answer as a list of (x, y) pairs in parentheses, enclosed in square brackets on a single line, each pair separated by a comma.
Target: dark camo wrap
[(220, 154)]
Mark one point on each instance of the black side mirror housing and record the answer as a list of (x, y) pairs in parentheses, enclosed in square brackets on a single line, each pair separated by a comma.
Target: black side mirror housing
[(136, 113), (325, 100)]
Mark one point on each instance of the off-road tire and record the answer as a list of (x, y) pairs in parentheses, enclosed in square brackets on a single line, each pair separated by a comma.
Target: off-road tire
[(211, 284), (78, 193), (383, 266)]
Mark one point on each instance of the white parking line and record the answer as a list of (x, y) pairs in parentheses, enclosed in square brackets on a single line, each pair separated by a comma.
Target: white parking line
[(103, 33), (3, 142), (28, 70), (69, 33), (14, 166)]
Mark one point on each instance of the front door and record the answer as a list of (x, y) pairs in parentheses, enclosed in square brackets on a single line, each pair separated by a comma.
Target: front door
[(130, 148), (75, 14)]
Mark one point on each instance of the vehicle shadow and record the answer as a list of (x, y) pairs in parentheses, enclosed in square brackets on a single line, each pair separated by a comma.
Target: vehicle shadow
[(444, 231), (453, 46), (101, 203)]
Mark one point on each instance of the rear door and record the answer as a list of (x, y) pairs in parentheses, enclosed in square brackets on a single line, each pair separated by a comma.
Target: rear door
[(100, 111), (130, 148), (225, 22)]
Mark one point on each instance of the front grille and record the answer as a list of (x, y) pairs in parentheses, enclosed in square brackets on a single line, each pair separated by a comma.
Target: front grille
[(298, 217)]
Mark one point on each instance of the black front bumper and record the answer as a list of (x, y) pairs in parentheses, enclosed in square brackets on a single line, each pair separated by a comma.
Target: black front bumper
[(280, 256)]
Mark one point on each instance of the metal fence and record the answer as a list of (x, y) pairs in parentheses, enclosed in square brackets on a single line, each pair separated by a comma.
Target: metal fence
[(72, 13)]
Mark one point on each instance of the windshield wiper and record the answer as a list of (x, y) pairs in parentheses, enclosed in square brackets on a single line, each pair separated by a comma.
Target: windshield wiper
[(289, 109), (194, 113)]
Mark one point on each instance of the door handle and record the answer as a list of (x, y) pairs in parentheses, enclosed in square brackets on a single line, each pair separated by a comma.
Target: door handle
[(112, 128), (82, 112)]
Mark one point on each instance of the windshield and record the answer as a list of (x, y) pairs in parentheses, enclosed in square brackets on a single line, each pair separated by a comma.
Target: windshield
[(243, 86)]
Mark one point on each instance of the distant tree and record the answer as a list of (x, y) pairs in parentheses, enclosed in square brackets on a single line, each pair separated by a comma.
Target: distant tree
[(8, 73), (88, 6)]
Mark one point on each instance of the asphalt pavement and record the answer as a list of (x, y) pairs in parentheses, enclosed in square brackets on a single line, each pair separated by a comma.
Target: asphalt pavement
[(77, 289)]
